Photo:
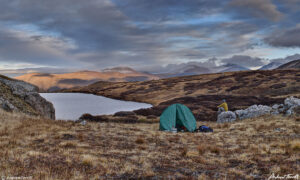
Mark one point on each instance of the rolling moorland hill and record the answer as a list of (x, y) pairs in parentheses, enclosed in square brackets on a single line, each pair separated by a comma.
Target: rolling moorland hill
[(53, 82), (202, 93)]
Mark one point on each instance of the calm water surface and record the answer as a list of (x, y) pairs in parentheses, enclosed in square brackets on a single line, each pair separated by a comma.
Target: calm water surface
[(70, 106)]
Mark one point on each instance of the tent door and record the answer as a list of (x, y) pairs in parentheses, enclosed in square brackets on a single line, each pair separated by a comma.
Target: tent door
[(179, 125)]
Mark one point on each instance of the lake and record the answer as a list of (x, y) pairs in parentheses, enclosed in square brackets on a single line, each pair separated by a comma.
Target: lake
[(70, 106)]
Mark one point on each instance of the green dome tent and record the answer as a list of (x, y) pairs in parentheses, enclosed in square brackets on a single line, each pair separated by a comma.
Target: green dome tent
[(177, 116)]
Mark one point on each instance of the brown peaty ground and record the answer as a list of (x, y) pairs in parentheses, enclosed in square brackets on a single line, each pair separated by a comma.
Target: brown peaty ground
[(47, 149), (202, 93)]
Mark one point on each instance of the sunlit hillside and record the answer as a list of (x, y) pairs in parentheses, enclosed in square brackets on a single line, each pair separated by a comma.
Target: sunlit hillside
[(202, 93), (53, 82)]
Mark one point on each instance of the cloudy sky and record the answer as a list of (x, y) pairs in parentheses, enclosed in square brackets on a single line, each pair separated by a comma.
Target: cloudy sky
[(96, 34)]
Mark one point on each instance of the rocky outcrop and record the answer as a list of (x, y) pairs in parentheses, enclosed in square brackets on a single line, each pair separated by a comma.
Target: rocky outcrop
[(253, 112), (290, 107), (19, 96), (41, 105)]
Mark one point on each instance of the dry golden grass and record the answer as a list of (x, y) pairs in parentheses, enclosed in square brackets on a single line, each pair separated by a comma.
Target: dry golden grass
[(295, 145), (46, 149)]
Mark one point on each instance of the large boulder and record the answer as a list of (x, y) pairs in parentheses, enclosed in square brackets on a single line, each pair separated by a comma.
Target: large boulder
[(291, 104), (228, 116), (253, 111), (19, 96)]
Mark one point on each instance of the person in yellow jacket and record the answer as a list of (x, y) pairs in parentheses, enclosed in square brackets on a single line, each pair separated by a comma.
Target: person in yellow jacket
[(224, 105)]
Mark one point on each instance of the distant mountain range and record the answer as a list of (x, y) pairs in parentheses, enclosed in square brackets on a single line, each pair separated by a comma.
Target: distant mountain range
[(48, 82), (187, 70), (276, 65), (232, 68), (123, 70), (291, 65), (270, 66), (191, 69), (53, 82)]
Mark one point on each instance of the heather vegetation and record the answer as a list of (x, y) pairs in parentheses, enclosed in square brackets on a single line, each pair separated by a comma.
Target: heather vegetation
[(203, 93), (47, 149)]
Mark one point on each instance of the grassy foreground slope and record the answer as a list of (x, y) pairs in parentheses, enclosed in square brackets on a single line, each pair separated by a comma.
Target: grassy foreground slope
[(202, 93), (46, 149)]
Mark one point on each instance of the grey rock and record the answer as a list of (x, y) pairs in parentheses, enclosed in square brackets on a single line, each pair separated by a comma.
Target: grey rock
[(277, 129), (277, 109), (291, 102), (27, 94), (275, 106), (290, 105), (275, 112), (40, 104), (220, 110), (281, 108), (253, 111), (19, 87), (228, 116), (289, 112), (6, 105)]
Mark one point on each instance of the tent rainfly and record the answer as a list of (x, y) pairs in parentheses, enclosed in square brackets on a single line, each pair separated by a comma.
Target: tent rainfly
[(177, 116)]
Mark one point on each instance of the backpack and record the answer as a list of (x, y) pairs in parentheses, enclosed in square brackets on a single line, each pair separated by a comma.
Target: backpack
[(205, 129)]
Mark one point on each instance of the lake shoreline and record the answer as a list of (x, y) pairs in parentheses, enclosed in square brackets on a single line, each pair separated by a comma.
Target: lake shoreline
[(70, 106)]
